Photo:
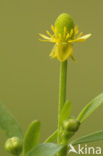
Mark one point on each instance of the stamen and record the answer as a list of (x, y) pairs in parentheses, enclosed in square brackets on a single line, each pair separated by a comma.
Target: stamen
[(76, 30), (52, 36), (60, 36), (71, 32), (65, 30), (80, 35), (53, 29), (49, 33), (67, 36)]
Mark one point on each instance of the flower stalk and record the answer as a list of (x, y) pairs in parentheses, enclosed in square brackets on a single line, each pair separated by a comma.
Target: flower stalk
[(62, 93), (62, 99)]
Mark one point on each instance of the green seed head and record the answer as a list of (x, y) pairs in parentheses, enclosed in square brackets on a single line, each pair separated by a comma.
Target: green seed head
[(71, 125), (14, 145), (63, 21)]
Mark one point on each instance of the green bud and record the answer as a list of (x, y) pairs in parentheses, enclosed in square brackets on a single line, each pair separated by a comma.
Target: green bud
[(14, 145), (71, 125), (63, 21)]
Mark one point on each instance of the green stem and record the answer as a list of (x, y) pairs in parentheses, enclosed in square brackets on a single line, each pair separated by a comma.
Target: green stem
[(62, 96)]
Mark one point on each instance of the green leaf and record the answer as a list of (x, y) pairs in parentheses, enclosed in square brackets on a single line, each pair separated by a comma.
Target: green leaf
[(9, 124), (52, 137), (31, 137), (90, 108), (97, 136), (48, 149), (65, 111)]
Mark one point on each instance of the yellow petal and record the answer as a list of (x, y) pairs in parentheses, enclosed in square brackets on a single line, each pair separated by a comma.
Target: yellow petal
[(45, 37), (43, 40), (63, 52), (80, 39), (73, 58), (53, 52), (50, 41), (83, 38)]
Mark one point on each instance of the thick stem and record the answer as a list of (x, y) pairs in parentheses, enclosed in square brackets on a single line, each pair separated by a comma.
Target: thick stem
[(62, 96)]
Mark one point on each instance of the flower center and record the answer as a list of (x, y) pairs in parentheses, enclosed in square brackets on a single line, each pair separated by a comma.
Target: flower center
[(63, 25)]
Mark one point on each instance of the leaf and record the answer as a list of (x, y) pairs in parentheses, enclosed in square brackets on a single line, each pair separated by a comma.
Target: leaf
[(9, 124), (90, 108), (97, 136), (52, 137), (65, 111), (31, 137), (48, 149)]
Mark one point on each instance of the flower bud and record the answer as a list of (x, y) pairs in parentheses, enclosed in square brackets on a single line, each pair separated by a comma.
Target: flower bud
[(63, 24), (71, 125), (14, 145)]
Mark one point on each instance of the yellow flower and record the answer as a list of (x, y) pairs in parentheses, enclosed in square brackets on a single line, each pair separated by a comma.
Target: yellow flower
[(64, 35)]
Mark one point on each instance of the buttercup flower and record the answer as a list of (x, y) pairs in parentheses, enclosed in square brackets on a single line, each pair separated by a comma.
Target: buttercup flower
[(65, 33)]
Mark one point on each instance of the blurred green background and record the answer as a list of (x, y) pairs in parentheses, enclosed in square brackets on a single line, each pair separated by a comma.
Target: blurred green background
[(29, 78)]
